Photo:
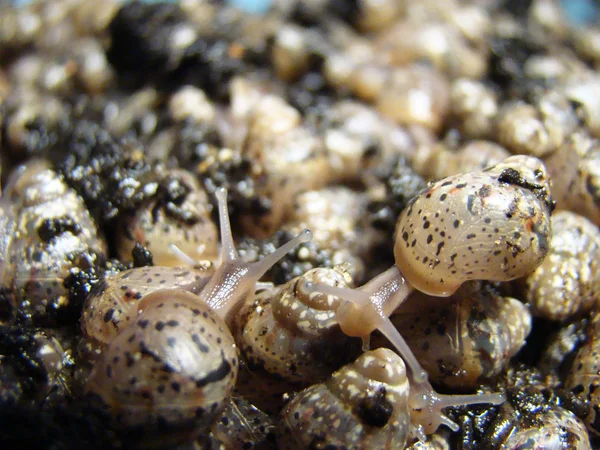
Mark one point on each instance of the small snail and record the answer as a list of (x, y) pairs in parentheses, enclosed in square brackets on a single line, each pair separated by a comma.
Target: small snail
[(584, 377), (490, 225), (171, 370), (164, 354), (467, 338), (180, 214), (567, 283), (293, 334), (46, 231), (362, 405), (111, 305)]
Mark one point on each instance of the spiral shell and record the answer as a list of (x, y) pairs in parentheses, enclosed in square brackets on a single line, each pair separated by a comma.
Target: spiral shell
[(293, 334), (116, 300), (47, 231), (182, 217), (362, 405), (487, 225), (466, 338), (568, 281), (173, 369)]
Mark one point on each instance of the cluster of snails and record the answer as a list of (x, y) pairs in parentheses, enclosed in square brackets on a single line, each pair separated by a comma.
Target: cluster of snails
[(348, 119)]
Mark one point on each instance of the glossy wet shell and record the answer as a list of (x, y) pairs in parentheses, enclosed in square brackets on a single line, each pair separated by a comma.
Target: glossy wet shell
[(363, 405), (557, 429), (575, 173), (155, 228), (47, 229), (116, 301), (584, 376), (487, 225), (294, 335), (568, 281), (173, 368), (465, 339)]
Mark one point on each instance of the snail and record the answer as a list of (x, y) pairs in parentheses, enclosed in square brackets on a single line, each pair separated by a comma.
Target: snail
[(47, 230), (164, 354), (180, 215), (293, 335), (583, 378), (464, 339), (362, 405), (567, 283), (489, 225)]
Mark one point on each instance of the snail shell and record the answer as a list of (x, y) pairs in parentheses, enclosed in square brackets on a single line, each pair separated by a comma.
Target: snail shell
[(584, 376), (293, 334), (47, 231), (568, 281), (362, 405), (487, 225), (466, 338), (116, 301), (173, 369), (575, 172), (184, 221)]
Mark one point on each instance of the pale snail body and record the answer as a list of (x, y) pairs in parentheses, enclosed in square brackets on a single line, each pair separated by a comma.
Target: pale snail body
[(465, 339), (170, 361), (185, 222), (293, 334), (48, 230), (363, 405), (567, 283)]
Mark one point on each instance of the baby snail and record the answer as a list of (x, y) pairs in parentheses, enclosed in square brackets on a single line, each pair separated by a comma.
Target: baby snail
[(492, 225), (46, 231), (292, 334), (362, 405), (165, 359)]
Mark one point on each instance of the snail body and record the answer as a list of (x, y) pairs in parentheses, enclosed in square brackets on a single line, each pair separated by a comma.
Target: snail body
[(514, 197), (171, 361)]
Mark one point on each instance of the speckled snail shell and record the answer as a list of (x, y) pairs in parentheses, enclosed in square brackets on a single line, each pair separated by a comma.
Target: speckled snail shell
[(465, 339), (114, 302), (487, 225), (584, 376), (46, 231), (568, 281), (363, 405), (184, 221), (171, 370), (293, 334)]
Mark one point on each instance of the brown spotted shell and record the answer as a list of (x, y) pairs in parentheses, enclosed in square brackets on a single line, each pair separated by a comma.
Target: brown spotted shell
[(465, 339), (293, 334), (488, 225), (363, 405), (568, 281), (172, 369), (116, 301)]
